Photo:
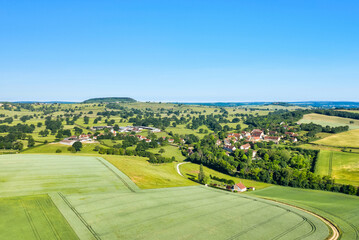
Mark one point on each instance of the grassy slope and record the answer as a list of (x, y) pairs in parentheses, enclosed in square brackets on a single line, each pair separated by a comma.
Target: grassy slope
[(344, 139), (46, 220), (170, 151), (147, 175), (191, 170), (332, 121), (339, 208), (343, 167)]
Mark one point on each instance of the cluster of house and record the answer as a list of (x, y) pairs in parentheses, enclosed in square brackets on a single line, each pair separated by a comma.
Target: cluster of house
[(84, 138), (255, 135), (135, 129)]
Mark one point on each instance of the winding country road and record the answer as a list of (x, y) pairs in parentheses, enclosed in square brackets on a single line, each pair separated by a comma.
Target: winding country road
[(335, 232), (179, 172)]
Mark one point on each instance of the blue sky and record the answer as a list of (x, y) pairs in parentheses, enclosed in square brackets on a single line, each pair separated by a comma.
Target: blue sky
[(180, 50)]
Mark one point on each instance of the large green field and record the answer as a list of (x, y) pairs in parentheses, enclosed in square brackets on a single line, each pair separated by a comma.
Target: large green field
[(100, 202), (343, 167), (344, 139), (339, 208), (331, 121)]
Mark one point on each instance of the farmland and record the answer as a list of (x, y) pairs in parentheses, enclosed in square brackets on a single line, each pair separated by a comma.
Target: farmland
[(348, 139), (331, 121), (98, 201), (343, 167), (340, 209)]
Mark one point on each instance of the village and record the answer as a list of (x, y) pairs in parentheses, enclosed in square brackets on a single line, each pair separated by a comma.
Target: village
[(256, 135)]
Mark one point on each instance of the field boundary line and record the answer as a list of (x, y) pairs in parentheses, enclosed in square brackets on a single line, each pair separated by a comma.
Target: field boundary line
[(82, 229), (120, 175), (88, 226)]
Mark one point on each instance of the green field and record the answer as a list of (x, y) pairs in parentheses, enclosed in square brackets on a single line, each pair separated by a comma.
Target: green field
[(170, 151), (344, 139), (32, 217), (100, 202), (147, 175), (52, 147), (339, 208), (343, 167), (331, 121)]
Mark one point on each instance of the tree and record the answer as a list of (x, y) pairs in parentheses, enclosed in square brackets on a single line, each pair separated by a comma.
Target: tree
[(30, 142), (161, 150), (201, 175), (77, 146)]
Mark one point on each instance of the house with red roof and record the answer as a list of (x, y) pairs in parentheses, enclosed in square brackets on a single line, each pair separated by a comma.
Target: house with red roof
[(245, 146), (239, 187)]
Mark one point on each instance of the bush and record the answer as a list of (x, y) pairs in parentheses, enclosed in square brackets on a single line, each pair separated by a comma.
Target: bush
[(58, 151)]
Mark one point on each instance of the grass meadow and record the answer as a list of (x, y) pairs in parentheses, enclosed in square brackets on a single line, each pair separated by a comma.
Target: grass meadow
[(343, 167), (339, 208)]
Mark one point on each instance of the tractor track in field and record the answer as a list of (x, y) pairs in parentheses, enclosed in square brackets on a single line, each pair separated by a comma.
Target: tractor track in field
[(88, 226), (335, 231), (29, 219)]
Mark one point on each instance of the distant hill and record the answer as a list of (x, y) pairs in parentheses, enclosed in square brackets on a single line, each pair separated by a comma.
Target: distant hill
[(110, 100)]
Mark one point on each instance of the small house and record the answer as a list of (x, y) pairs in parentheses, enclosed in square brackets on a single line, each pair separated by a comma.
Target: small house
[(239, 187)]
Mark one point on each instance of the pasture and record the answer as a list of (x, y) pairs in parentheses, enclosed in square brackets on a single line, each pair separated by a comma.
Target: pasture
[(331, 121), (343, 167), (339, 208), (348, 139), (170, 151), (100, 202)]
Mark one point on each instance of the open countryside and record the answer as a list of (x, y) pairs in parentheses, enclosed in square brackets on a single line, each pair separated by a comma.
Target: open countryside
[(96, 162)]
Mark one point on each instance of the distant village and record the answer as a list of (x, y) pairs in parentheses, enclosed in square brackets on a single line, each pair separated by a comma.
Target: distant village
[(90, 138)]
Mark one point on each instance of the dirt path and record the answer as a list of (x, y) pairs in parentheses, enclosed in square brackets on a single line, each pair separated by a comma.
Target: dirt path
[(179, 172)]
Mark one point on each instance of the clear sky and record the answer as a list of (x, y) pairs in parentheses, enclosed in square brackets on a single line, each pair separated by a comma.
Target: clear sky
[(180, 50)]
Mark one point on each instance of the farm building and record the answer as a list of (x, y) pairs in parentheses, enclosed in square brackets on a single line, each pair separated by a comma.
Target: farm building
[(239, 187)]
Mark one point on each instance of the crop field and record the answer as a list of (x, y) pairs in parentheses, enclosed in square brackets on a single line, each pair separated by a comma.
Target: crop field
[(193, 213), (32, 217), (344, 139), (343, 167), (100, 202), (331, 121), (339, 208)]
